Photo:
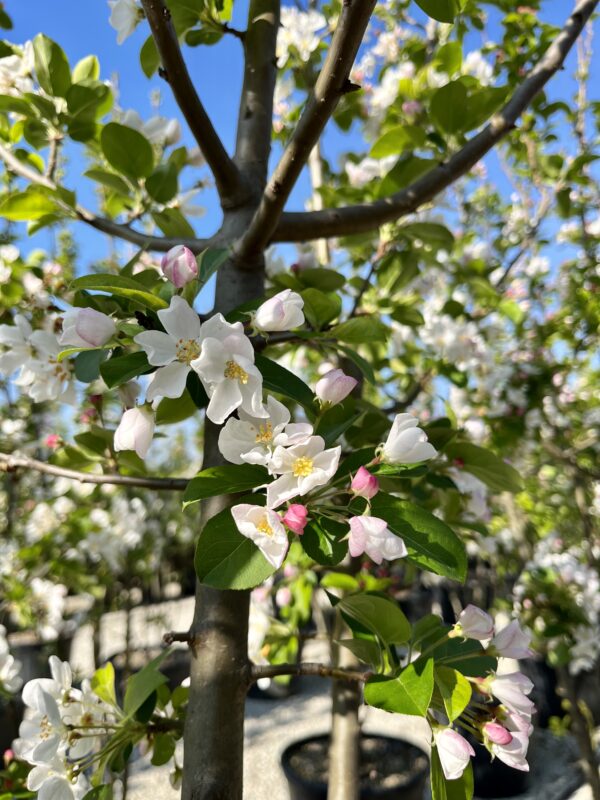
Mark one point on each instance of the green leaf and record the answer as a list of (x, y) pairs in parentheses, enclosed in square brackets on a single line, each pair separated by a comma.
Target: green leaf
[(397, 140), (97, 793), (430, 232), (227, 560), (361, 330), (172, 410), (430, 542), (127, 150), (455, 690), (172, 223), (31, 204), (209, 262), (228, 479), (103, 683), (141, 685), (442, 789), (336, 421), (51, 66), (485, 465), (449, 57), (481, 104), (327, 280), (366, 650), (120, 369), (88, 100), (442, 10), (321, 541), (448, 106), (87, 364), (410, 693), (87, 68), (162, 184), (279, 379), (109, 179), (164, 747), (120, 286), (380, 616), (16, 104), (320, 308), (149, 58), (361, 363)]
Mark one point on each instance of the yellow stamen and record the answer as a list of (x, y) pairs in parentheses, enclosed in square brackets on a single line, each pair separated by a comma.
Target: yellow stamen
[(302, 467), (265, 433), (264, 527), (235, 372), (187, 350)]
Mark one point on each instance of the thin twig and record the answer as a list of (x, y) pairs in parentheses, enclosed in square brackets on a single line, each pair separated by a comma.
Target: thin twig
[(305, 226), (177, 636), (258, 671), (227, 176), (108, 226), (12, 463)]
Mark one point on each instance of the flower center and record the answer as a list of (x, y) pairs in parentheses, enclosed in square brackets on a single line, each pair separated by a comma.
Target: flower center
[(302, 467), (265, 433), (186, 350), (45, 728), (235, 372), (264, 527)]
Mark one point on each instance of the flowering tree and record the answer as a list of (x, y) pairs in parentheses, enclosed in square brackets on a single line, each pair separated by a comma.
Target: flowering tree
[(399, 302)]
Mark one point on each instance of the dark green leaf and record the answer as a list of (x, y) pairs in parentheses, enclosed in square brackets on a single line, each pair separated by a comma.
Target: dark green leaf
[(430, 542), (172, 410), (442, 10), (127, 150), (278, 379), (109, 179), (162, 184), (87, 365), (227, 560), (321, 541), (448, 106), (209, 262), (149, 58), (361, 330), (327, 280), (320, 308), (51, 66), (228, 479), (141, 685), (120, 369), (164, 747), (380, 616), (172, 223), (122, 287), (485, 465)]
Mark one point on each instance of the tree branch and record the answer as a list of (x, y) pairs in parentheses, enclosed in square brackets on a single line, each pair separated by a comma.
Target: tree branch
[(305, 226), (331, 85), (258, 671), (12, 463), (227, 176), (108, 226), (255, 118)]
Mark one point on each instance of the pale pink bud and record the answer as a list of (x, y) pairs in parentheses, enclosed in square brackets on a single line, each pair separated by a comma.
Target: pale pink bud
[(179, 265), (474, 623), (52, 441), (296, 517), (411, 108), (496, 733), (86, 327), (334, 387), (135, 431), (282, 312), (364, 484), (454, 752)]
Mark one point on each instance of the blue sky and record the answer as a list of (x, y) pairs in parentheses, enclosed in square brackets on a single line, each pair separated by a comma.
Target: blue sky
[(81, 27)]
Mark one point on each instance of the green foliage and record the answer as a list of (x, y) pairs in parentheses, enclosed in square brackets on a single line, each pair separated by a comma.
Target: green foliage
[(121, 286), (442, 789), (483, 464), (127, 150), (227, 560), (142, 684), (227, 479), (409, 693)]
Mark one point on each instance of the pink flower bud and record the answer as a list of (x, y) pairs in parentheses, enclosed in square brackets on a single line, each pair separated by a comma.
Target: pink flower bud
[(86, 327), (364, 484), (52, 441), (179, 265), (283, 598), (496, 733), (334, 387), (412, 107), (296, 518)]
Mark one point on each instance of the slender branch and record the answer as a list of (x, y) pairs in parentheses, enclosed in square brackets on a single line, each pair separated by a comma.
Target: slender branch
[(178, 636), (305, 226), (331, 85), (227, 176), (108, 226), (12, 463), (364, 286), (52, 159), (258, 671)]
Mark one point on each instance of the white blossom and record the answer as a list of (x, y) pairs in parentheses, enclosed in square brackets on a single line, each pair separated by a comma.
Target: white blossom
[(86, 327), (124, 17), (298, 30), (265, 528), (135, 431), (406, 442), (372, 536), (301, 468)]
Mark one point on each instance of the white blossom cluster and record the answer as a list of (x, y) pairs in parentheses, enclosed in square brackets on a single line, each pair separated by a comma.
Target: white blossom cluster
[(64, 726)]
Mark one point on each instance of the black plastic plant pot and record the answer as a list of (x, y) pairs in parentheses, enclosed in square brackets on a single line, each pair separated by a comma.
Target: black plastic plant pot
[(495, 779), (390, 769)]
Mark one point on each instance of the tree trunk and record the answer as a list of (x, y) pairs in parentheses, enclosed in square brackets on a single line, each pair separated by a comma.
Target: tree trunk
[(214, 728)]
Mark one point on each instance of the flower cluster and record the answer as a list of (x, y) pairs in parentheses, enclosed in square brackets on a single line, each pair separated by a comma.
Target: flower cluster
[(10, 680), (502, 720), (62, 733)]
